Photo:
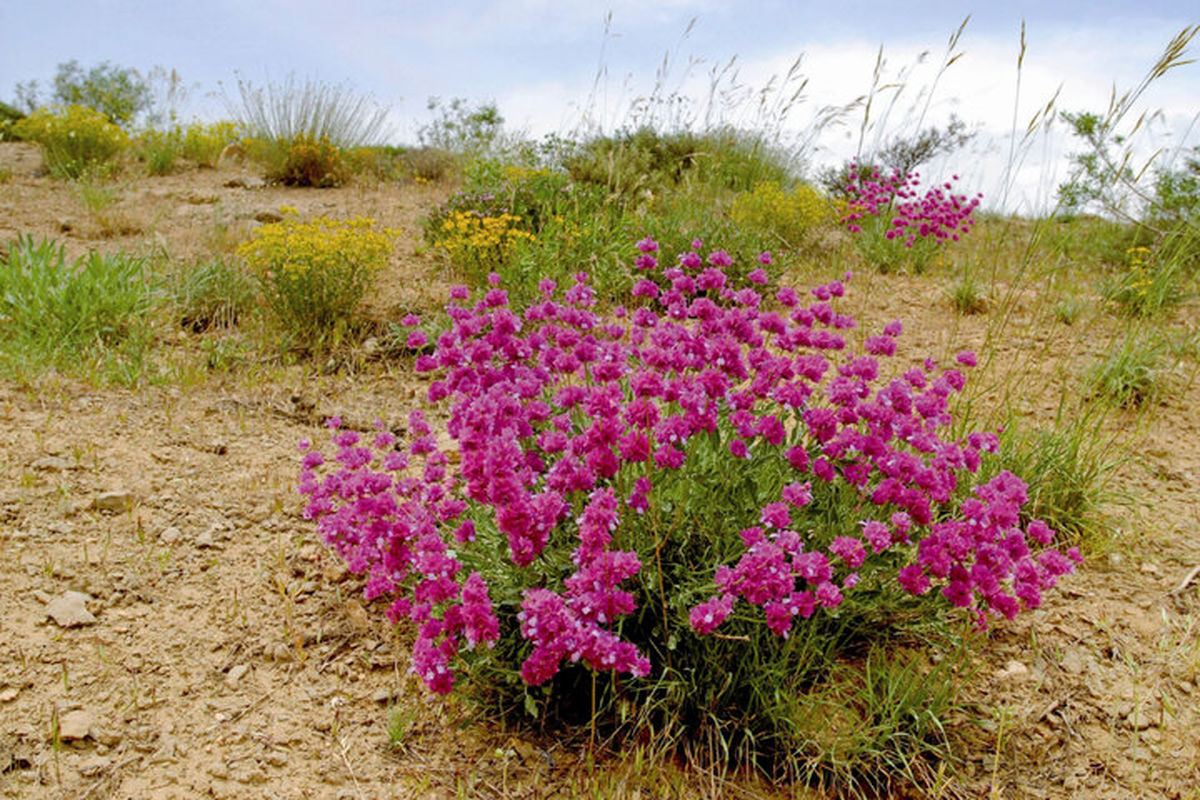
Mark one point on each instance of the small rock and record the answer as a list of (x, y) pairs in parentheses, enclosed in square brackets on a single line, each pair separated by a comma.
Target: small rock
[(65, 225), (169, 535), (252, 775), (382, 696), (1013, 670), (219, 771), (114, 502), (1073, 662), (267, 217), (94, 765), (107, 737), (1150, 568), (51, 464), (235, 674), (206, 539), (69, 610), (8, 694), (279, 651), (75, 725)]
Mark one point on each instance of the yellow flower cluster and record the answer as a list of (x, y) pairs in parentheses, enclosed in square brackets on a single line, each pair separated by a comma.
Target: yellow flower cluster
[(790, 216), (1140, 276), (471, 240), (313, 274), (73, 138), (321, 244)]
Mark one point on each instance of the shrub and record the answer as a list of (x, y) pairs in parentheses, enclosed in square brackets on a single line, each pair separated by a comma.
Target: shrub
[(72, 315), (788, 218), (158, 150), (308, 161), (202, 143), (302, 133), (710, 493), (460, 128), (119, 93), (632, 164), (74, 139), (429, 164), (314, 273), (894, 227), (479, 244), (8, 118)]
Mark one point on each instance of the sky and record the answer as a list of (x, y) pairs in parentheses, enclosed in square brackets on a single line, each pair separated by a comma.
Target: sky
[(551, 64)]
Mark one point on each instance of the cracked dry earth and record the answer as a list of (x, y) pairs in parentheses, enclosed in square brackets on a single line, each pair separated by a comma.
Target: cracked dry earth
[(170, 628)]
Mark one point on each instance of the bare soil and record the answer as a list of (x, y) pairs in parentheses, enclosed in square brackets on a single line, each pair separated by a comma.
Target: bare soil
[(221, 651)]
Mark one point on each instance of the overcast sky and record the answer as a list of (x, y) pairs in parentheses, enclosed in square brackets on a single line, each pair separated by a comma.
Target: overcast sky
[(548, 63)]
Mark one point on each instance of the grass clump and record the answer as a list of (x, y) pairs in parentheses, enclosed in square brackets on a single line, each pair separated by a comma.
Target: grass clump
[(74, 139), (211, 294), (1131, 374), (967, 295), (301, 134), (74, 316), (312, 274)]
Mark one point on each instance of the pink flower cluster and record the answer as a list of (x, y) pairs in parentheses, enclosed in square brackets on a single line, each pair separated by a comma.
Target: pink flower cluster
[(895, 202), (565, 421)]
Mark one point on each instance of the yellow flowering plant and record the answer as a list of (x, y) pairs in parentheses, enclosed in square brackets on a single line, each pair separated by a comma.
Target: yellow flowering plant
[(314, 273), (203, 142), (74, 139), (479, 244), (790, 217)]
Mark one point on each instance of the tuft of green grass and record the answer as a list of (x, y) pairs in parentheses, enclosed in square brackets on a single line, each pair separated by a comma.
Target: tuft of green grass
[(968, 295), (216, 293), (880, 725), (90, 317), (1068, 308), (1131, 375)]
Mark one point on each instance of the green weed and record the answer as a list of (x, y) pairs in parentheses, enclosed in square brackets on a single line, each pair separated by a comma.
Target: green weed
[(76, 317)]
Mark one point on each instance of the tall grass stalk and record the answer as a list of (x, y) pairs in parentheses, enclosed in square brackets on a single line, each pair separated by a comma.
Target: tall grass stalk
[(317, 110)]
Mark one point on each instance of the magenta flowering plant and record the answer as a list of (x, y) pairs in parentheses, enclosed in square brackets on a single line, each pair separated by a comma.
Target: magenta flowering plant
[(895, 225), (670, 492)]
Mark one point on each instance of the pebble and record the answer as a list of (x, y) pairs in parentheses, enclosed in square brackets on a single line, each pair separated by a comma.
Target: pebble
[(75, 725), (170, 535), (8, 694), (235, 674), (94, 765), (107, 737), (69, 610), (113, 502), (51, 464), (1013, 670), (207, 539), (1073, 662)]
